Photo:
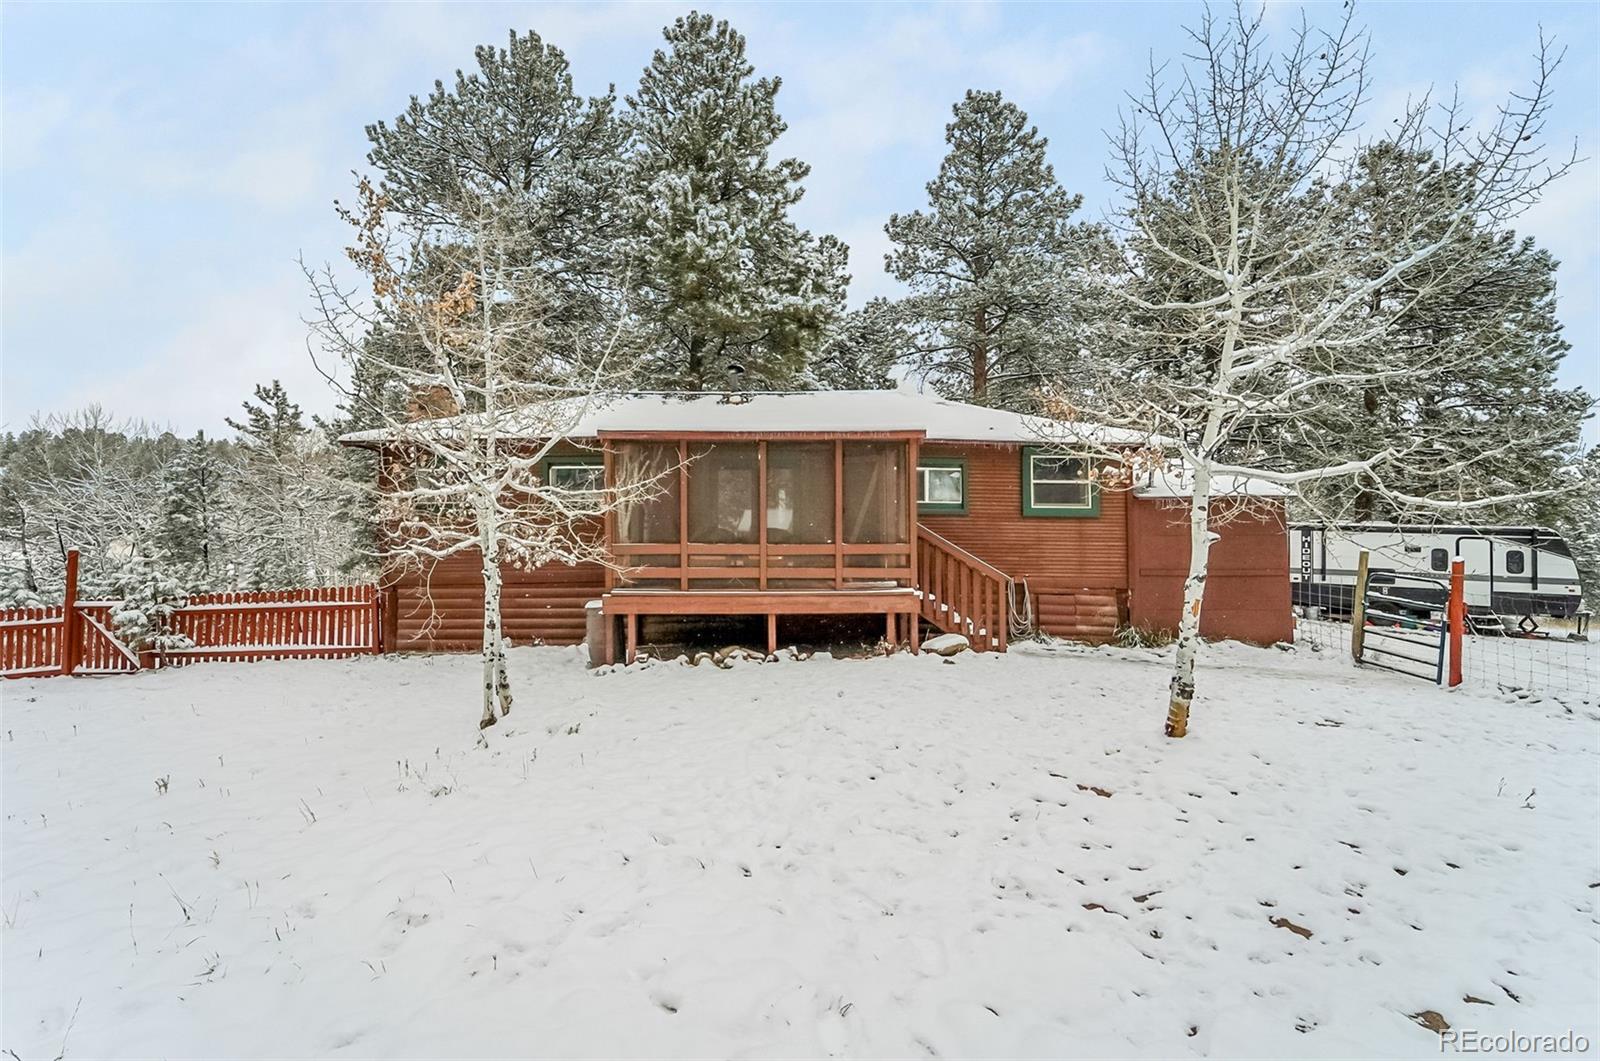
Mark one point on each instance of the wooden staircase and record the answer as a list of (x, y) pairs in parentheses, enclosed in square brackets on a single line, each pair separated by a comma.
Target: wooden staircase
[(961, 594)]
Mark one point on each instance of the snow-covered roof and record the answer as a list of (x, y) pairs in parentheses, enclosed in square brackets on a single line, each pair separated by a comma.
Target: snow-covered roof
[(1178, 482), (838, 411)]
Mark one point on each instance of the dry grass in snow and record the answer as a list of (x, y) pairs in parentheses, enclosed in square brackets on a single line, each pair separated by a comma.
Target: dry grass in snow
[(996, 856)]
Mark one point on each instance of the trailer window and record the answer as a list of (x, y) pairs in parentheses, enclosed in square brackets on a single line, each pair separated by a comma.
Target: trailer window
[(1514, 562), (1439, 559)]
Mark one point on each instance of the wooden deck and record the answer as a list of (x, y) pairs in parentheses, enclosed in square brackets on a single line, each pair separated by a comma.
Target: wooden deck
[(897, 604)]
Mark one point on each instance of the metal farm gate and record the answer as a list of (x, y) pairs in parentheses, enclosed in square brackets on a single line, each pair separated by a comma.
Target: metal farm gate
[(1396, 625), (1409, 624)]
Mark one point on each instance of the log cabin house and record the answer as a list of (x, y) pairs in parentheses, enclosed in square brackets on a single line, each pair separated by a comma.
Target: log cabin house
[(928, 513)]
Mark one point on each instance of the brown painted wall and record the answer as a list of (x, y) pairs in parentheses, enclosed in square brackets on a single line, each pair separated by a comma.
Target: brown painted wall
[(1076, 569), (1247, 586)]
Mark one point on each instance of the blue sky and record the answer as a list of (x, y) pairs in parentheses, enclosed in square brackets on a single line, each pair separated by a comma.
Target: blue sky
[(164, 166)]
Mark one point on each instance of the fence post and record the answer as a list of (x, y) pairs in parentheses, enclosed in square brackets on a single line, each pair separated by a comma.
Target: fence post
[(69, 616), (1457, 616), (1358, 608)]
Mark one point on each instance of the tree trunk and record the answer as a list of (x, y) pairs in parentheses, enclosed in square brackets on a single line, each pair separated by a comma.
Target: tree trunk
[(697, 363), (496, 683), (1194, 587), (980, 357)]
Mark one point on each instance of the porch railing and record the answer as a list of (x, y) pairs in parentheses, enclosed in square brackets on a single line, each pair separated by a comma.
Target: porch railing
[(961, 593)]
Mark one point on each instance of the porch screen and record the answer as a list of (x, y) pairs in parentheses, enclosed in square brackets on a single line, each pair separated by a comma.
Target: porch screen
[(648, 470), (875, 493), (723, 492), (800, 493)]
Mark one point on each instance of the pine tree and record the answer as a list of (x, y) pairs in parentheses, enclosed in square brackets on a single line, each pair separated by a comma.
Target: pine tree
[(192, 517), (1476, 329), (991, 264), (727, 291), (273, 425), (515, 131), (281, 513), (861, 349), (148, 595)]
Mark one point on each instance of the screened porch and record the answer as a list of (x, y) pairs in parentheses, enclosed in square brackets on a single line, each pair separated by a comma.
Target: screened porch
[(811, 513)]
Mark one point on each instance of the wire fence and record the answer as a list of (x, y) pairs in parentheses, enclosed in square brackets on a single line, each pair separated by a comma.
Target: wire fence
[(1322, 617), (1563, 666)]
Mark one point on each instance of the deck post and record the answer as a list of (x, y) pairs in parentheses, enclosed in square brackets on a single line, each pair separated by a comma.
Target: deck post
[(69, 617), (1358, 608), (838, 514), (608, 519), (772, 633), (761, 515), (683, 517), (1457, 616), (632, 623), (891, 633)]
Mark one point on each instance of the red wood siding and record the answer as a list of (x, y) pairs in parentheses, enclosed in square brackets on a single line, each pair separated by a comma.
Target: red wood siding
[(1247, 586), (545, 604), (440, 609), (1076, 569)]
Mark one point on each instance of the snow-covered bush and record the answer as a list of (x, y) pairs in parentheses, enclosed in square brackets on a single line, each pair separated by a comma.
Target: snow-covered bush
[(14, 589), (148, 595)]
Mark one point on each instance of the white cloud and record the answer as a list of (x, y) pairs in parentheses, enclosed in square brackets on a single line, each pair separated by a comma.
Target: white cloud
[(200, 373)]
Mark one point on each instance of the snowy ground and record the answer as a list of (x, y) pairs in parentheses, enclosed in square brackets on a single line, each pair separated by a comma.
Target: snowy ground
[(996, 856)]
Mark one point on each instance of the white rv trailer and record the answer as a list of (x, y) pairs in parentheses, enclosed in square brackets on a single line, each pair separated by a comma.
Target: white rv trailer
[(1522, 573)]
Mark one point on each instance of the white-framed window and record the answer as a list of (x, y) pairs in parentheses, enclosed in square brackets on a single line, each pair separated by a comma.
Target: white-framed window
[(942, 486), (1054, 484), (580, 477)]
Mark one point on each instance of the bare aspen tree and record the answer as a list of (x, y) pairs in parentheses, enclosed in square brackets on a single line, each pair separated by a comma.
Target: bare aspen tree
[(468, 345), (1248, 299)]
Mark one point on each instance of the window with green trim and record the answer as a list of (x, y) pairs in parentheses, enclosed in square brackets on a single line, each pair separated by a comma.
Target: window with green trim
[(576, 475), (941, 485), (1056, 484)]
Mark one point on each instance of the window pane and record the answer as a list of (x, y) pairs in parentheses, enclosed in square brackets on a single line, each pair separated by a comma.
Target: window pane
[(940, 486), (1514, 562), (1062, 494), (588, 478), (800, 493), (1058, 468), (648, 469), (1439, 560), (875, 492), (722, 492)]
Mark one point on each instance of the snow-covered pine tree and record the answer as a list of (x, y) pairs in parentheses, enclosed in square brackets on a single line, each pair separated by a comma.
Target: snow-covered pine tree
[(285, 495), (861, 349), (1476, 325), (147, 594), (515, 129), (727, 292), (194, 486), (1578, 521), (1250, 297), (994, 263)]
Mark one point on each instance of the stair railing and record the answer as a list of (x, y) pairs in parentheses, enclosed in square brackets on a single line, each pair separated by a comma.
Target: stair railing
[(963, 594)]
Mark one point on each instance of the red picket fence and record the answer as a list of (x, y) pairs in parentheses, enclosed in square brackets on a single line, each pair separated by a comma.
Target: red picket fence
[(30, 641), (77, 637), (278, 624)]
